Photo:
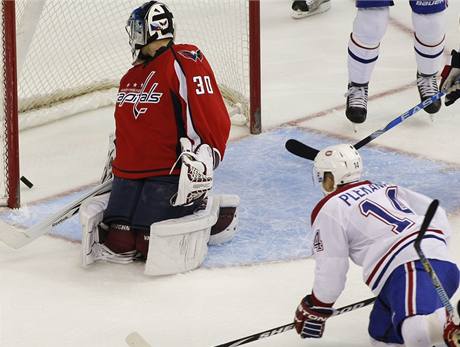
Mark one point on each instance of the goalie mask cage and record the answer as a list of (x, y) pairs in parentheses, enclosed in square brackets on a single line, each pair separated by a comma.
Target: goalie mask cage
[(62, 57)]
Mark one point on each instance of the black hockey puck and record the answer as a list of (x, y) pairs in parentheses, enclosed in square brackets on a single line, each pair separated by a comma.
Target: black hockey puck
[(26, 182)]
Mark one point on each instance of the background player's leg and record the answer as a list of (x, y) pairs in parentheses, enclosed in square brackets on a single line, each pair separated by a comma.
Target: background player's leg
[(429, 38), (369, 27)]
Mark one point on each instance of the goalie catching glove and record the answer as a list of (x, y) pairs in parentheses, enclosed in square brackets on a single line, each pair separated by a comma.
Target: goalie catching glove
[(196, 174), (310, 317)]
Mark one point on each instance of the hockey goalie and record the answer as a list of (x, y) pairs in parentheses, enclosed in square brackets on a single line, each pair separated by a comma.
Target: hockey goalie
[(171, 129)]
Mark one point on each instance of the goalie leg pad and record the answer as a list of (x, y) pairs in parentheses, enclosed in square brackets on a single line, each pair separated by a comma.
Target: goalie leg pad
[(227, 222), (91, 215), (179, 245)]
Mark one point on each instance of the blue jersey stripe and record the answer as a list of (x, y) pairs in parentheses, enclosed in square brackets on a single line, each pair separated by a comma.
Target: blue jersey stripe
[(429, 56), (361, 60)]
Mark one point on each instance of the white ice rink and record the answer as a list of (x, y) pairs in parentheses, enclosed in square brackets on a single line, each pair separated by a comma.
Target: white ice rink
[(48, 300)]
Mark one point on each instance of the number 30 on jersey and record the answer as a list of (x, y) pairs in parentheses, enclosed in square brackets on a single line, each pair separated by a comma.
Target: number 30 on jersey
[(203, 85)]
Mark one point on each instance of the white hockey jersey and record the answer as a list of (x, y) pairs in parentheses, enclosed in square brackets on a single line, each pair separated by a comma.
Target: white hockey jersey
[(375, 225)]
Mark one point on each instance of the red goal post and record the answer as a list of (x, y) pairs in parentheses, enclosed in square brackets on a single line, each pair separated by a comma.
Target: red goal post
[(64, 57)]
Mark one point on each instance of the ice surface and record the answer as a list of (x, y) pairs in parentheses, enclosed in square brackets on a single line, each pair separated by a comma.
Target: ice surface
[(47, 299), (272, 182)]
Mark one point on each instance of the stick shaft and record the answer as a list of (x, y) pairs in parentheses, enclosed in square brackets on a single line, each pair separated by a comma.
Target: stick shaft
[(17, 237), (286, 327), (304, 151), (399, 119), (426, 263)]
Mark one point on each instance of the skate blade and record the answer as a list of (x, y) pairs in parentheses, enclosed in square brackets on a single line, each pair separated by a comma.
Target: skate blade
[(325, 6), (354, 127)]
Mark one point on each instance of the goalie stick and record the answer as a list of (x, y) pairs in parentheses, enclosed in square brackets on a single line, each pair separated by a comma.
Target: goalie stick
[(17, 237), (426, 263), (286, 327), (304, 151)]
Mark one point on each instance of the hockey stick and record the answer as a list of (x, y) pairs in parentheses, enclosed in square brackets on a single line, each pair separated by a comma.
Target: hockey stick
[(304, 151), (136, 340), (286, 327), (426, 263), (17, 237)]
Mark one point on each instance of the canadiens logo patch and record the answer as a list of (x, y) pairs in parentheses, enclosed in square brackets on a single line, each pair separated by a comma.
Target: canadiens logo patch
[(192, 55), (142, 99)]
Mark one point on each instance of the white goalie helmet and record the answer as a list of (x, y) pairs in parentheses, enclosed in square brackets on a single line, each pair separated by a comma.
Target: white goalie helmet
[(150, 22), (342, 161)]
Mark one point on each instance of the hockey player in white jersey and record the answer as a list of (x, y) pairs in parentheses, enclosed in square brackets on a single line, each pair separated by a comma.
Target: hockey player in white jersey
[(369, 26), (375, 225)]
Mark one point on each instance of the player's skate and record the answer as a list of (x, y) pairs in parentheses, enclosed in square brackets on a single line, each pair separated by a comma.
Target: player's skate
[(427, 87), (356, 110), (302, 9)]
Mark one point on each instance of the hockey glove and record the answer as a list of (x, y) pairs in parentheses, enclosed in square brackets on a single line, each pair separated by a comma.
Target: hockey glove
[(450, 79), (196, 175), (310, 319), (452, 334)]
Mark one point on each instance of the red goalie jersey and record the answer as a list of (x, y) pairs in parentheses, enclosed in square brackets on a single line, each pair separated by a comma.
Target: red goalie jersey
[(173, 95)]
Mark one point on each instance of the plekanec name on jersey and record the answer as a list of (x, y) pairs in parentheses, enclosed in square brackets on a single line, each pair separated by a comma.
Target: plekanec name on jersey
[(361, 192)]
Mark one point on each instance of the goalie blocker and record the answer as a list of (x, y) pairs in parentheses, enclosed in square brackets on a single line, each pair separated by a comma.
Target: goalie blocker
[(170, 246)]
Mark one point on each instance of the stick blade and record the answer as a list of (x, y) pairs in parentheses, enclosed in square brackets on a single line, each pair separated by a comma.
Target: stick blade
[(136, 340), (12, 236), (301, 150)]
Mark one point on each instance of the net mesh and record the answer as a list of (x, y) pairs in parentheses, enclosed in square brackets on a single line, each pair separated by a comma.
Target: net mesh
[(79, 47), (71, 55)]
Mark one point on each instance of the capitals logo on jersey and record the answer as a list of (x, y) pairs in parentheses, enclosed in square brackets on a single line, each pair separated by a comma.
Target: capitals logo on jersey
[(142, 99), (192, 55)]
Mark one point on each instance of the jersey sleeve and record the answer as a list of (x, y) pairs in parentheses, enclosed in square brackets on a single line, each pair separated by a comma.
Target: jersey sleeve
[(206, 117), (330, 249)]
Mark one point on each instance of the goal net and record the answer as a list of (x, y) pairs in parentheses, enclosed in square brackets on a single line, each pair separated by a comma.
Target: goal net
[(71, 54)]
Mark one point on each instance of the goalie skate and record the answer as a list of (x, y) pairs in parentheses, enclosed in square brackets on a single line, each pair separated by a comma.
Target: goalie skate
[(302, 9)]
